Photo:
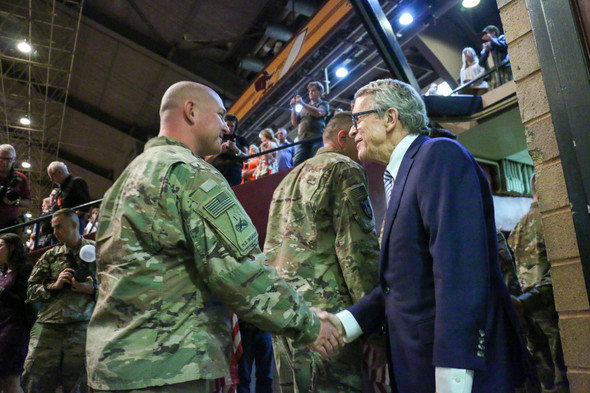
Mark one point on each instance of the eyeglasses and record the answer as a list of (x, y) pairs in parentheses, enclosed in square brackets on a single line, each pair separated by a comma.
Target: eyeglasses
[(355, 116)]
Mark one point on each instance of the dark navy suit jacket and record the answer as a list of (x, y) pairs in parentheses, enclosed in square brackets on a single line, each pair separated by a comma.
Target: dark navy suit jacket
[(441, 297)]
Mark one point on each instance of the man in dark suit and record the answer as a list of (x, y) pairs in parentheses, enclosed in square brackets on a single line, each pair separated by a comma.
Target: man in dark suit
[(447, 313)]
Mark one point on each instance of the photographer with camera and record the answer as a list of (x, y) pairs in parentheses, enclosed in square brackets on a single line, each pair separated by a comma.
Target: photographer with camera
[(65, 286), (14, 188)]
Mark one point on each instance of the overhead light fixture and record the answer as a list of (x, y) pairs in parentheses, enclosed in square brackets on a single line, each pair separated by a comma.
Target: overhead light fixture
[(298, 108), (25, 121), (29, 231), (470, 3), (24, 47), (406, 18), (341, 72), (25, 164), (28, 215)]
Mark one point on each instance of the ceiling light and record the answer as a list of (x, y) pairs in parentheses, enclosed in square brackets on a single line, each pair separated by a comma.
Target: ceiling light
[(25, 121), (28, 215), (24, 47), (470, 3), (298, 108), (25, 164), (406, 18), (29, 231), (341, 72)]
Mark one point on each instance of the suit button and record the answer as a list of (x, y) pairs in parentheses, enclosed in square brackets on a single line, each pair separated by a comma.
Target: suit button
[(480, 354), (481, 346), (386, 290)]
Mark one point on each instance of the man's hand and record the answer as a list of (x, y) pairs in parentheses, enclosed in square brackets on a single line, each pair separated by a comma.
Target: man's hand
[(329, 340), (65, 277), (83, 286)]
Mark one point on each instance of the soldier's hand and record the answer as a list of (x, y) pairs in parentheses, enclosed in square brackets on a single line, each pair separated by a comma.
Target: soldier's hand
[(292, 102), (83, 286), (329, 340), (298, 99), (65, 277)]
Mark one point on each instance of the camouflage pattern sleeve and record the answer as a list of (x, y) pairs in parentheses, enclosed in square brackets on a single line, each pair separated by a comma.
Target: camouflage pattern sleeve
[(231, 264), (356, 243), (36, 291), (507, 265)]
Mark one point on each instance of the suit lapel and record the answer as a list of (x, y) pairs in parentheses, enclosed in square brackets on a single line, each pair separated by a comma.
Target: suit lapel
[(399, 185)]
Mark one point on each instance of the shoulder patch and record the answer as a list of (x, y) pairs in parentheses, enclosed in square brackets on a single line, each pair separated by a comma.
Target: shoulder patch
[(359, 192), (219, 204), (208, 185)]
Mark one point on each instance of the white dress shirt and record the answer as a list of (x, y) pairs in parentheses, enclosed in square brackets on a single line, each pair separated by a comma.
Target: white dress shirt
[(448, 380)]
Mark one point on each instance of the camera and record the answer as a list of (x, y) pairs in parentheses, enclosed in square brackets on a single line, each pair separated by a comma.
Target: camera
[(9, 193), (81, 273)]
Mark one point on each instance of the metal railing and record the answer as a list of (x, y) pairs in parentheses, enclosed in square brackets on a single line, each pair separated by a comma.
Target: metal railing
[(483, 76), (37, 222)]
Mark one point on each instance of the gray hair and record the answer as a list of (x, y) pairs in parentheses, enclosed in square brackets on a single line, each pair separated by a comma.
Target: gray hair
[(58, 165), (391, 93), (9, 149)]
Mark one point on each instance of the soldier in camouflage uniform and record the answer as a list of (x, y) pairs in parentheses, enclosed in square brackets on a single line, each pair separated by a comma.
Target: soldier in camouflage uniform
[(176, 253), (58, 337), (321, 238), (536, 304)]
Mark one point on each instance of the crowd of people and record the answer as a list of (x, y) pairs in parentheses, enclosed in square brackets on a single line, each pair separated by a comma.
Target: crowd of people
[(177, 254)]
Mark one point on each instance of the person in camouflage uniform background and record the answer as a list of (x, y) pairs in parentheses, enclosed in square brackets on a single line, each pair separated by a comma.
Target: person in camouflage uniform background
[(176, 253), (58, 337), (536, 304), (321, 238)]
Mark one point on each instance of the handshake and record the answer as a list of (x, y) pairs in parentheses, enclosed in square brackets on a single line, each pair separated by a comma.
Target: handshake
[(331, 337)]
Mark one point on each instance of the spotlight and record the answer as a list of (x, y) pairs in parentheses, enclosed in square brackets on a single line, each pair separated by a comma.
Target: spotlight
[(406, 18), (25, 121), (470, 3), (341, 72), (28, 215), (29, 231), (298, 108), (25, 164), (24, 47)]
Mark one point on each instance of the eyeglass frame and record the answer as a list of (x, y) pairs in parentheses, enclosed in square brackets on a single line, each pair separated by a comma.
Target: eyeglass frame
[(356, 115)]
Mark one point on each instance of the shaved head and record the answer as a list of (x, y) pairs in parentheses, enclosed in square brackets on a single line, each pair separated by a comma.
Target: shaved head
[(193, 114), (179, 92)]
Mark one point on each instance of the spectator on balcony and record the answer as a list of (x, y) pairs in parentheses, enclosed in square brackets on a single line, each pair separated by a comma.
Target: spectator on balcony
[(249, 171), (494, 43), (14, 188), (311, 120), (472, 70), (73, 191), (233, 149), (268, 163), (285, 155)]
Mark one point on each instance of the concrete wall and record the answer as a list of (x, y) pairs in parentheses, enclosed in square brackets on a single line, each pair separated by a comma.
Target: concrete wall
[(566, 270)]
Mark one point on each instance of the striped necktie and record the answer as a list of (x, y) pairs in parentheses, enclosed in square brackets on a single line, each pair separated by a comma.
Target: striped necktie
[(388, 183)]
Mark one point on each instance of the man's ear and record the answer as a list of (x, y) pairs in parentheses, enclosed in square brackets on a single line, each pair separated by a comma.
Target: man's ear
[(342, 137), (391, 119), (189, 111)]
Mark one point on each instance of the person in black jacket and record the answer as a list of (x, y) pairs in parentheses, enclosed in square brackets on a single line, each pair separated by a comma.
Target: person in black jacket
[(73, 191), (14, 325)]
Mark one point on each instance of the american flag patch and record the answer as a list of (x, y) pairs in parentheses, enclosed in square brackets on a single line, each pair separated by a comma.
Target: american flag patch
[(219, 204), (358, 192)]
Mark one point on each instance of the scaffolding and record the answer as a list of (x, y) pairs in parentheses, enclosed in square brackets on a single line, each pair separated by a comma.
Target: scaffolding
[(34, 85)]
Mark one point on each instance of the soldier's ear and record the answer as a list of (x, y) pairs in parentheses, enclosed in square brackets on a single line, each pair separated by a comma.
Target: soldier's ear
[(189, 112)]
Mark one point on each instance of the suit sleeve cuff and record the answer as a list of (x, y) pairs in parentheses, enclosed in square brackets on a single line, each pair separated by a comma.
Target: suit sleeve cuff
[(453, 380), (351, 326)]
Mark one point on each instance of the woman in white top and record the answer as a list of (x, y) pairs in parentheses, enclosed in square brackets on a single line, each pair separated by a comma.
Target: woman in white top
[(471, 69)]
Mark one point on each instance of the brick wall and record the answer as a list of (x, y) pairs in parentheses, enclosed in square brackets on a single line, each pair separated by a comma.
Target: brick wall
[(571, 299)]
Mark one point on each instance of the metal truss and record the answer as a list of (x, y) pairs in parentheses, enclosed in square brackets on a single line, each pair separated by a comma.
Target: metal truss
[(35, 85)]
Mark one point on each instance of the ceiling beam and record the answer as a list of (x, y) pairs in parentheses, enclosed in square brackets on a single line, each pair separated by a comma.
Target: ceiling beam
[(85, 164), (227, 83)]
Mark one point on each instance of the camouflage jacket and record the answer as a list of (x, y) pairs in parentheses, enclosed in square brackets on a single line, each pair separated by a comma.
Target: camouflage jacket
[(62, 305), (528, 244), (176, 253), (321, 231)]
